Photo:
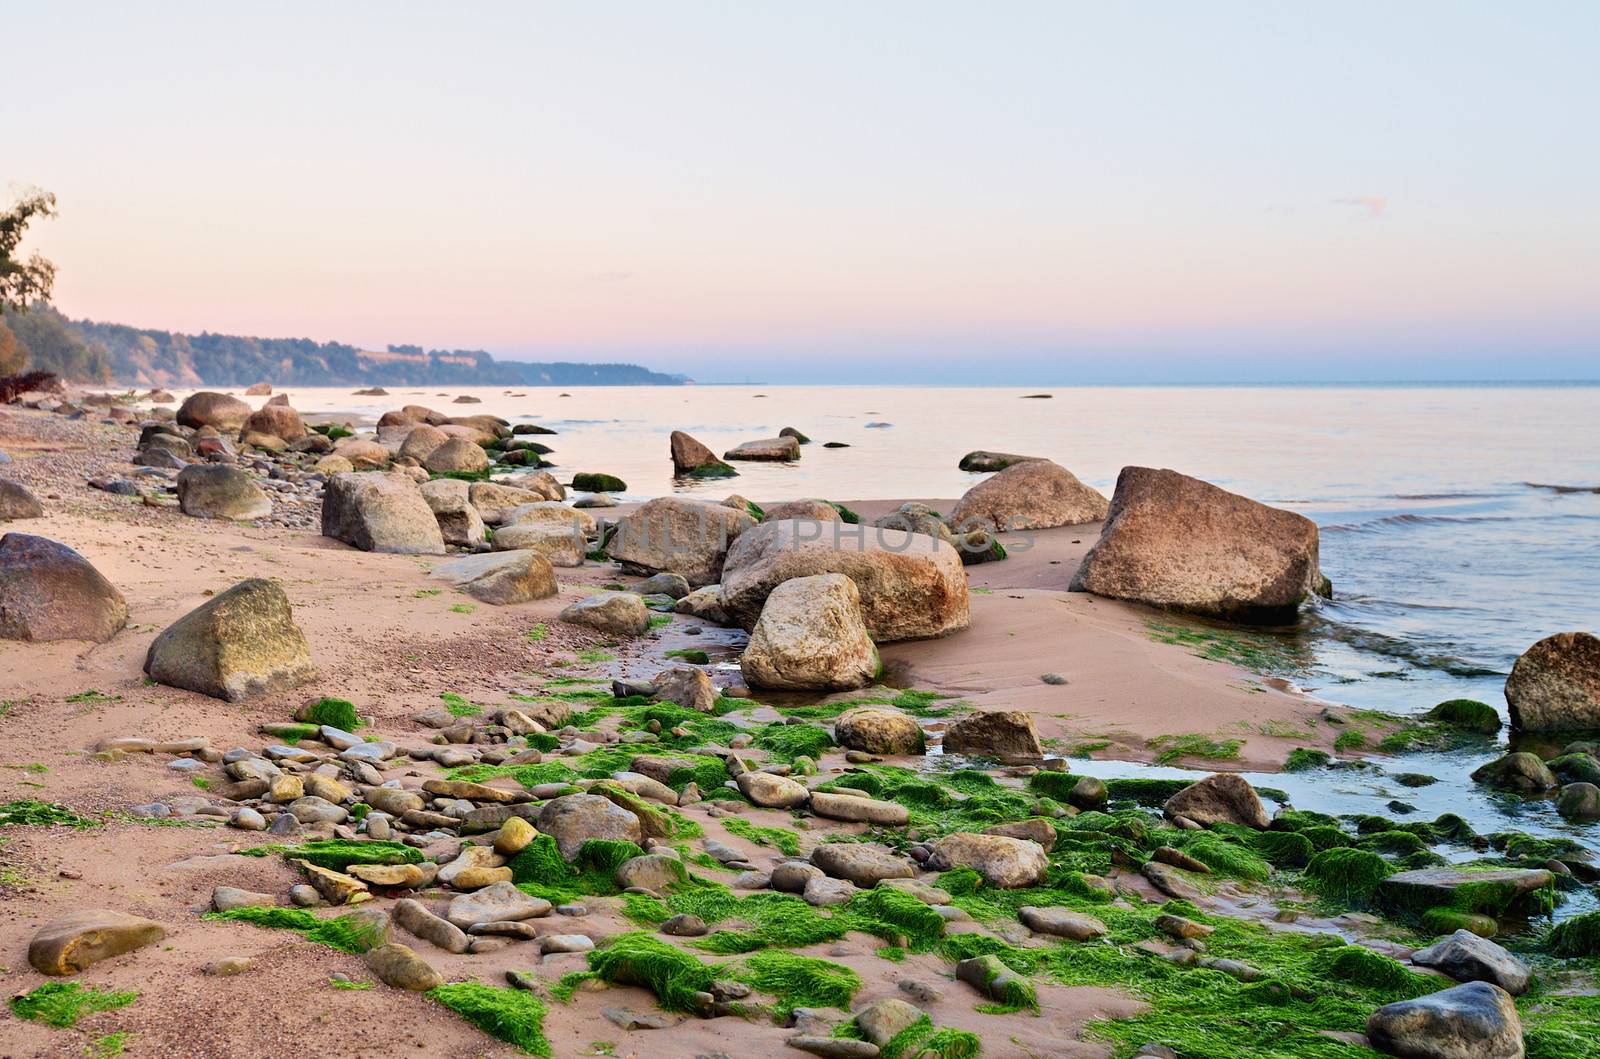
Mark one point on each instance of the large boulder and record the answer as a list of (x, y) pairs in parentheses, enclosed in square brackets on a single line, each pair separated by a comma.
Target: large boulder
[(1225, 798), (458, 520), (1555, 684), (866, 866), (235, 645), (1033, 494), (878, 730), (680, 536), (1493, 892), (573, 819), (912, 586), (810, 637), (616, 613), (380, 513), (457, 456), (1176, 542), (16, 501), (691, 458), (500, 578), (1004, 862), (210, 409), (217, 490), (50, 592), (420, 442), (72, 942), (278, 421), (1473, 1021), (1001, 734)]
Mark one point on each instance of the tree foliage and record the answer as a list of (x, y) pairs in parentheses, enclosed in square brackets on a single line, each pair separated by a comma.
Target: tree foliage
[(24, 281)]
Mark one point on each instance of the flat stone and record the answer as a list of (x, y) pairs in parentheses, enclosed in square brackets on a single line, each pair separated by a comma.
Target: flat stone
[(500, 902), (1061, 923), (72, 942)]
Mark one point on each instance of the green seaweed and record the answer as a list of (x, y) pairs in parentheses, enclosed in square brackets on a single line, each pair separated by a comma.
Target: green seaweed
[(640, 959), (335, 713), (786, 841), (1347, 876), (30, 813), (352, 932), (338, 854), (62, 1004), (1468, 715), (515, 1016)]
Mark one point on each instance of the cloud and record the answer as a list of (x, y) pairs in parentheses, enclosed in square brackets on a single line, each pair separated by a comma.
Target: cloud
[(1373, 204)]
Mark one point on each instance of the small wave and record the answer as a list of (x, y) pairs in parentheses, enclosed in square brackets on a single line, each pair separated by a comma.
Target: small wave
[(1414, 654), (1446, 496), (1563, 488), (1410, 519)]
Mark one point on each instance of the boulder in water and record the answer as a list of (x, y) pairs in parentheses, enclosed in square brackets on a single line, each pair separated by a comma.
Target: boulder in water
[(1176, 542), (1224, 798), (984, 460), (766, 449), (693, 459), (1555, 684)]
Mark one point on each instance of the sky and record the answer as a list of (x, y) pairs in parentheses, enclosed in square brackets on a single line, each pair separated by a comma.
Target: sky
[(888, 192)]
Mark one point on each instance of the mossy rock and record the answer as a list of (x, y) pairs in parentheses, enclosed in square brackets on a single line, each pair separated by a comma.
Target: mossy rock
[(1469, 715), (1495, 892), (594, 482), (1575, 768), (1578, 936), (1448, 921), (1350, 876)]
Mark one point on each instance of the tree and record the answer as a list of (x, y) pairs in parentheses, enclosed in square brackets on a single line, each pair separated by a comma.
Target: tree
[(24, 281)]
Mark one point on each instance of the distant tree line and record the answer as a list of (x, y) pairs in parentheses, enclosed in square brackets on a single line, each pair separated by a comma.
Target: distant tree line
[(33, 334)]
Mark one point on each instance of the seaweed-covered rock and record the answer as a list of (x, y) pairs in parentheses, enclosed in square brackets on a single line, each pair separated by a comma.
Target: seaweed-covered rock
[(50, 592), (1469, 715), (70, 943), (878, 730), (596, 482), (1473, 1021), (616, 613), (1007, 863), (1579, 802), (811, 636), (1224, 798), (573, 819), (217, 490), (690, 457), (1521, 771), (992, 978), (1466, 957), (237, 644), (881, 1020), (912, 586), (1033, 494), (1492, 892), (1178, 543), (380, 513), (1003, 734), (208, 408), (1555, 685)]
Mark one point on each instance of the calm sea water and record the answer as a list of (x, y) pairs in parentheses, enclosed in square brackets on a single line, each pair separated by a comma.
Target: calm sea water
[(1459, 524)]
